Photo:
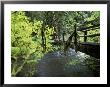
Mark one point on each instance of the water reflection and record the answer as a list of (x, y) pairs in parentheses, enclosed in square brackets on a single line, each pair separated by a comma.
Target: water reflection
[(56, 64)]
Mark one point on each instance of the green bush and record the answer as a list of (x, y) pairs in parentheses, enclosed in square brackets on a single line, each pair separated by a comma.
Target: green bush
[(26, 48)]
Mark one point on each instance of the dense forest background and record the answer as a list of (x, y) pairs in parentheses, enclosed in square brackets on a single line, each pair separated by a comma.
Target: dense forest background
[(33, 34)]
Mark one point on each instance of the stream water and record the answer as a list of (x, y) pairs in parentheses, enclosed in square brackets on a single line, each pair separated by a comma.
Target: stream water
[(56, 64)]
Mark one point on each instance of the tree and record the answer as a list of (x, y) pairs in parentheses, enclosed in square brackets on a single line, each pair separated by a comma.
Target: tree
[(26, 42)]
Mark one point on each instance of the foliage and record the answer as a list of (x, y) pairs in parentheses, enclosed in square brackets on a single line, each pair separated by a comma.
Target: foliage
[(25, 46)]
